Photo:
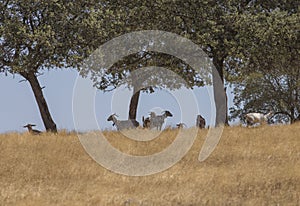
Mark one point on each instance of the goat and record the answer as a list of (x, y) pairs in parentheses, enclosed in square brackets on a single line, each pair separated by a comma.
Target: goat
[(200, 122), (180, 125), (123, 124), (158, 120), (32, 131), (146, 122), (253, 118)]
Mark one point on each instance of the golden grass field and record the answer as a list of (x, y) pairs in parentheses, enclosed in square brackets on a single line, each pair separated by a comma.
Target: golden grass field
[(250, 166)]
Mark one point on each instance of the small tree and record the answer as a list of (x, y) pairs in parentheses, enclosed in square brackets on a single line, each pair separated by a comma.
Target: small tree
[(262, 92)]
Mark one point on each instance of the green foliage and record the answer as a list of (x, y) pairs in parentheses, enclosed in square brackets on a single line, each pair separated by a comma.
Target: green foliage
[(264, 91), (269, 76), (37, 35), (254, 43), (141, 69), (207, 23), (45, 34)]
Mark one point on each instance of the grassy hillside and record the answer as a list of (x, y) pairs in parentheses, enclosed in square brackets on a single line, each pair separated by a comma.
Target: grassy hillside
[(255, 166)]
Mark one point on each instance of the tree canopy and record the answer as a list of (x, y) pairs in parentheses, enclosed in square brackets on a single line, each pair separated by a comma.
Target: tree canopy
[(207, 23), (268, 75), (38, 35), (251, 44)]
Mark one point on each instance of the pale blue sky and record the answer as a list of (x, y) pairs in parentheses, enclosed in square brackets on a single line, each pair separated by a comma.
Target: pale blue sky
[(18, 106)]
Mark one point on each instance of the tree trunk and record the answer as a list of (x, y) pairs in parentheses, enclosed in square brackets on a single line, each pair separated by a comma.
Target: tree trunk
[(41, 102), (134, 104), (226, 104), (219, 93), (292, 115)]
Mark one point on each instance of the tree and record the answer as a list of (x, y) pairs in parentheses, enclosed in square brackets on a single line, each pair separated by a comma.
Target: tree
[(223, 34), (277, 91), (161, 71), (39, 35), (207, 23), (269, 77), (215, 25), (210, 24)]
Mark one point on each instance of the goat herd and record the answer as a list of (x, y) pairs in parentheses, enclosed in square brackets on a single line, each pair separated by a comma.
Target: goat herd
[(156, 121), (153, 121)]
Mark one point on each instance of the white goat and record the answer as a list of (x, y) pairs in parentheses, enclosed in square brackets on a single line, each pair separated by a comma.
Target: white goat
[(253, 118), (123, 124), (146, 122), (180, 125), (158, 120)]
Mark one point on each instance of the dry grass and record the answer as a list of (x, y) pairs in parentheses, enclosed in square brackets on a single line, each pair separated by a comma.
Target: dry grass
[(257, 166)]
